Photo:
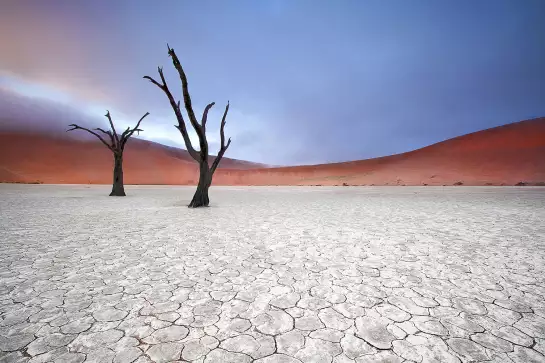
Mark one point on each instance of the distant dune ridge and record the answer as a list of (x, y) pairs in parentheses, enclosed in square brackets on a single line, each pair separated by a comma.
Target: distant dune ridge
[(505, 155)]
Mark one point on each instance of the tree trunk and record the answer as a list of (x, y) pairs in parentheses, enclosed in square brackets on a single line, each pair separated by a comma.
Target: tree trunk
[(200, 199), (118, 189)]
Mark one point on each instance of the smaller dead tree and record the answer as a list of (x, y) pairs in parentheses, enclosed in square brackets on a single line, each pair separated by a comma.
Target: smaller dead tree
[(116, 145), (206, 171)]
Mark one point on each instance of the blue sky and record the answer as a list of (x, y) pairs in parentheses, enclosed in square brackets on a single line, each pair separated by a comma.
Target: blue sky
[(309, 81)]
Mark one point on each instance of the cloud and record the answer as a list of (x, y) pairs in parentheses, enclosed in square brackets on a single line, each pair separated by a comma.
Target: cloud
[(29, 114), (30, 107)]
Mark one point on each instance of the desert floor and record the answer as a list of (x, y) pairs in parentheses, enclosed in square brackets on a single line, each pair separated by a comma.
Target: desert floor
[(271, 275)]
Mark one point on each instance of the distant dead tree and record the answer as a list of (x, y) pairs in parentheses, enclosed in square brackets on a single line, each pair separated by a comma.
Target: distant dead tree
[(200, 199), (116, 146)]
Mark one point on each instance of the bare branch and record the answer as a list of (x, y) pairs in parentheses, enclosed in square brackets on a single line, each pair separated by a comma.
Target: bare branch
[(192, 152), (222, 126), (181, 126), (128, 133), (109, 133), (187, 97), (161, 74), (139, 121), (218, 158), (124, 134), (223, 146), (181, 122), (113, 128), (76, 127), (161, 86), (205, 115), (176, 107)]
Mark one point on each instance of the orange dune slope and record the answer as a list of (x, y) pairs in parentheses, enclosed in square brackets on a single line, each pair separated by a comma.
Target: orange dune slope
[(60, 159), (505, 155)]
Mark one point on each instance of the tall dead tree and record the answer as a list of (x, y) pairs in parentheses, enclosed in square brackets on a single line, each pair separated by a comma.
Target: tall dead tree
[(116, 145), (206, 171)]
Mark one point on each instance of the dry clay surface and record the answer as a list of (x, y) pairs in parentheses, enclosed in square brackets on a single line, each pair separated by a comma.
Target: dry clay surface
[(272, 275)]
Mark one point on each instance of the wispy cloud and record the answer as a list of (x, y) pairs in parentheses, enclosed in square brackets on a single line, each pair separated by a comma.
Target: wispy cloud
[(28, 106)]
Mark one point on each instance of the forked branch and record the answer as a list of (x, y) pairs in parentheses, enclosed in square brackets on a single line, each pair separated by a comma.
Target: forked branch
[(109, 133), (160, 85), (112, 126), (177, 111), (185, 91), (116, 144), (128, 132), (76, 127)]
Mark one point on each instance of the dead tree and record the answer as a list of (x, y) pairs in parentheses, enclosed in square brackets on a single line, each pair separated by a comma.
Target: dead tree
[(200, 199), (116, 145)]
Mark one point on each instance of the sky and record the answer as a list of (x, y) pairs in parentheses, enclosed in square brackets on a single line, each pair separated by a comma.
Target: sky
[(309, 81)]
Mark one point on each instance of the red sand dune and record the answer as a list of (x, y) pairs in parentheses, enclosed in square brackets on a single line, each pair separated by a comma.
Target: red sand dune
[(504, 155)]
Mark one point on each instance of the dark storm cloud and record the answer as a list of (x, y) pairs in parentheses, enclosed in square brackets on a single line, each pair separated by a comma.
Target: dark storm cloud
[(308, 81), (21, 113)]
